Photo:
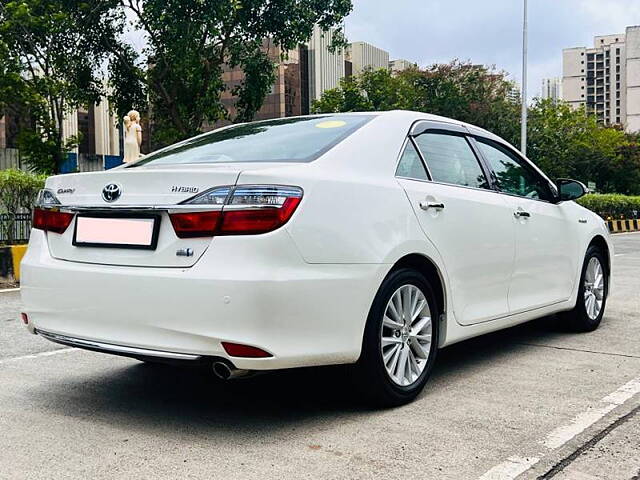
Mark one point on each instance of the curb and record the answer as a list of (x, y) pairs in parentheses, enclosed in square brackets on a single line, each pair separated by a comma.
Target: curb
[(616, 226), (10, 258)]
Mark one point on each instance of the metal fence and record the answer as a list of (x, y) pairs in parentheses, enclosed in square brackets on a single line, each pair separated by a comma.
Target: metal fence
[(15, 228), (10, 158)]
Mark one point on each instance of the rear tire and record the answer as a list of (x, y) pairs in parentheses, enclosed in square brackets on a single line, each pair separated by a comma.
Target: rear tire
[(399, 347), (592, 293)]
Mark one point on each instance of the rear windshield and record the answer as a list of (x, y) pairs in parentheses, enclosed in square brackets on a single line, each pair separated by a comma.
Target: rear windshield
[(299, 139)]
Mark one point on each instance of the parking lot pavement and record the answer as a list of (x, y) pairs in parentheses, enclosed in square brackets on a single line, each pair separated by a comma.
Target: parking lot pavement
[(533, 400)]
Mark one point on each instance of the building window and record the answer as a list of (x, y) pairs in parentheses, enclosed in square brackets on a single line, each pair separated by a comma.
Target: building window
[(618, 86), (617, 49), (617, 103), (582, 62), (617, 119)]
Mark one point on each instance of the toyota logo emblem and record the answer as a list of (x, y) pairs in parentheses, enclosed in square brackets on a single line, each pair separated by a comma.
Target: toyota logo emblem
[(111, 192)]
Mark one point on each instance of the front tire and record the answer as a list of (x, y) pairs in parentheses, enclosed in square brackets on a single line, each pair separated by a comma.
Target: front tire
[(400, 340), (592, 293)]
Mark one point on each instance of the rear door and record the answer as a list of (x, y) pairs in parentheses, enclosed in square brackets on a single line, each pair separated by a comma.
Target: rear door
[(544, 267), (468, 222)]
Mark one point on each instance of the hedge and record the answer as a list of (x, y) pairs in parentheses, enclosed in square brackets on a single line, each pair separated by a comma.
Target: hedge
[(18, 191), (612, 205)]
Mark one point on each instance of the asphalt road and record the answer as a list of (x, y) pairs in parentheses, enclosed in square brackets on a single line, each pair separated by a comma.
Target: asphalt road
[(534, 400)]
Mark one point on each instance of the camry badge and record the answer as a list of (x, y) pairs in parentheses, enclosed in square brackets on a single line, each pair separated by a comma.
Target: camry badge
[(111, 192)]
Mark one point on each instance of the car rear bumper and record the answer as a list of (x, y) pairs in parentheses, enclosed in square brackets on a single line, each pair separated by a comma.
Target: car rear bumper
[(247, 290)]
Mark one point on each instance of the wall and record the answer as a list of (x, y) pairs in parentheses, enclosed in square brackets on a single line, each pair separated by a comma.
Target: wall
[(633, 79)]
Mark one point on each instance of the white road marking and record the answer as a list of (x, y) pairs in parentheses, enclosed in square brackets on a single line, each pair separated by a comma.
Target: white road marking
[(624, 393), (7, 290), (37, 355), (580, 423), (514, 466)]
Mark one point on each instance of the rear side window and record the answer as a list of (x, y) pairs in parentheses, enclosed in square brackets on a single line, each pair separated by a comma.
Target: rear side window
[(511, 175), (298, 139), (410, 165), (451, 160)]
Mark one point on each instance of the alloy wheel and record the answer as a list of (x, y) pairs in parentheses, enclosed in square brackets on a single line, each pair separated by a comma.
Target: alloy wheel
[(593, 288), (406, 335)]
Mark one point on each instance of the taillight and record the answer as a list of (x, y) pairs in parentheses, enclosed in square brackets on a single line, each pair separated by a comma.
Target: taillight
[(51, 220), (243, 210), (195, 224)]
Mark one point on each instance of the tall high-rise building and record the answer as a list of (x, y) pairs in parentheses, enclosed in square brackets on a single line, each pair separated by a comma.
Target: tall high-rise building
[(605, 78), (325, 67), (551, 89), (363, 55)]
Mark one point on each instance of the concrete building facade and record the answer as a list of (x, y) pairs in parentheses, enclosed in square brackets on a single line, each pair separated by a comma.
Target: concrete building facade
[(551, 89), (400, 64), (325, 68), (363, 55), (100, 139), (605, 78)]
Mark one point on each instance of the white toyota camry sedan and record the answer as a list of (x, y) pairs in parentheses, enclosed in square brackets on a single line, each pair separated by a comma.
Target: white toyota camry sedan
[(369, 239)]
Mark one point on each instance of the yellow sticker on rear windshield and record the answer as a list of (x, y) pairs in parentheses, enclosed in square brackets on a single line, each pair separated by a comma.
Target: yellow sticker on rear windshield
[(331, 124)]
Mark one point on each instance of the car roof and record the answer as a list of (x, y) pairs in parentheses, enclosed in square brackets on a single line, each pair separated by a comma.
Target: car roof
[(411, 116)]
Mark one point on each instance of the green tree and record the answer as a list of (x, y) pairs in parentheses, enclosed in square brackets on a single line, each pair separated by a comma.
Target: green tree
[(460, 90), (191, 42), (568, 142), (51, 53)]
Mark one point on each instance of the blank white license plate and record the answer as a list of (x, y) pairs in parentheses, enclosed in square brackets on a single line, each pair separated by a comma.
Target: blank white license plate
[(116, 232)]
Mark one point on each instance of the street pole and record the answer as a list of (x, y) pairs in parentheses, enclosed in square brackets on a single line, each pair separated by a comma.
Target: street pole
[(523, 96)]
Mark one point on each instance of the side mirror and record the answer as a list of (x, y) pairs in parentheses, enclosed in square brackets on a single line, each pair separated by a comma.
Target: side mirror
[(570, 189)]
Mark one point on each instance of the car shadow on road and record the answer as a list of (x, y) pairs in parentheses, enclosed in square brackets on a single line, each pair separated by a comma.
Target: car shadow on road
[(169, 397)]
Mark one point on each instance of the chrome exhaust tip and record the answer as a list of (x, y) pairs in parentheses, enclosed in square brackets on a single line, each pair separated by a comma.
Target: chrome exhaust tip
[(226, 372)]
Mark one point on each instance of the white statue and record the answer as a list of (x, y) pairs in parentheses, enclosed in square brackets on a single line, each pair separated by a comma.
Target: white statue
[(132, 136)]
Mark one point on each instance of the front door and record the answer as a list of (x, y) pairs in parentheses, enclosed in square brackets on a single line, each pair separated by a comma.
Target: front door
[(470, 225), (544, 270)]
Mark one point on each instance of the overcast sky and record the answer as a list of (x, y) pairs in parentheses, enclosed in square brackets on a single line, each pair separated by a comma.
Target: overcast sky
[(489, 31)]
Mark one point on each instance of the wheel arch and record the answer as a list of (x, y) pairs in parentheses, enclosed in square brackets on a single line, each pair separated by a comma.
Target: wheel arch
[(601, 243), (433, 274)]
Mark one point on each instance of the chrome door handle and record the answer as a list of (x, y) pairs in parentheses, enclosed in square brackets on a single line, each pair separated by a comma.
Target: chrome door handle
[(434, 205), (521, 214)]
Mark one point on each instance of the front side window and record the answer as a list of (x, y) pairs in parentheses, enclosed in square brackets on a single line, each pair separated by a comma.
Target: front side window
[(296, 139), (451, 160), (410, 165), (511, 176)]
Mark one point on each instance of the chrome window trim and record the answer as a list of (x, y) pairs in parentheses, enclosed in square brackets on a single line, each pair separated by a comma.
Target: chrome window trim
[(490, 190)]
